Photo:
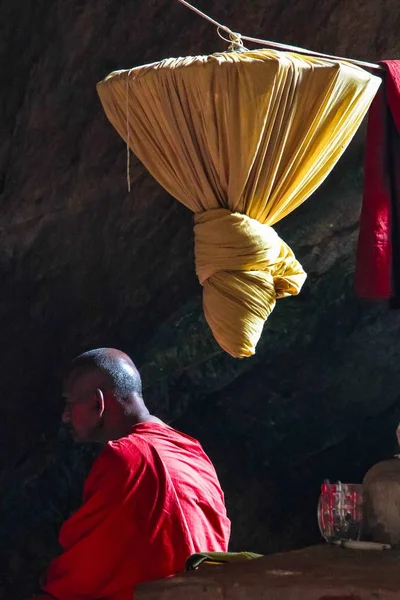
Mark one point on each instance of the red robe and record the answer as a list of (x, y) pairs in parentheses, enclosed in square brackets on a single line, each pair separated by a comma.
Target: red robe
[(151, 499)]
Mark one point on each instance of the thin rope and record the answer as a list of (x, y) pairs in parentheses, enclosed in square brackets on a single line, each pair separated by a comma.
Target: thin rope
[(235, 41), (236, 38), (128, 152)]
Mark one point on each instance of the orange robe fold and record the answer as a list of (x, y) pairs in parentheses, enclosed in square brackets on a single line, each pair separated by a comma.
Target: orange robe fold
[(150, 500)]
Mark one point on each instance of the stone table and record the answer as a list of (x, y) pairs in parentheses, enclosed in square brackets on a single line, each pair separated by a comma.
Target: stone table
[(317, 573)]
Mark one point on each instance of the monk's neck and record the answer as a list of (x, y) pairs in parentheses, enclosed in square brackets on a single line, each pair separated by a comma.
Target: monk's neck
[(125, 428)]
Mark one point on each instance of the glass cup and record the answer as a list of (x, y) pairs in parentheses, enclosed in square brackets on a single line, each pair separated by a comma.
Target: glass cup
[(340, 511)]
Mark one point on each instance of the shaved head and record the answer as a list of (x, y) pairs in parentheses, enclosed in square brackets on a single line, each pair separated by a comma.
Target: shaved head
[(114, 368), (103, 396)]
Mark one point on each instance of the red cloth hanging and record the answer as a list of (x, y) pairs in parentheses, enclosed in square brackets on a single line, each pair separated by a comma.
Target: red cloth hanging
[(378, 254)]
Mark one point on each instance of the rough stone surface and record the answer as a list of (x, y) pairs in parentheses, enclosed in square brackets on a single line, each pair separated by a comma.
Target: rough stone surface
[(317, 573), (84, 264)]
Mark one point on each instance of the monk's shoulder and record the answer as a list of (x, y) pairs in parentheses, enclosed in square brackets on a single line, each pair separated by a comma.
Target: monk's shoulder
[(124, 450), (120, 459)]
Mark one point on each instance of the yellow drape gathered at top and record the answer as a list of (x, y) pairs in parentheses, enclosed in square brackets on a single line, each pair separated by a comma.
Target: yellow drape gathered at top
[(242, 139)]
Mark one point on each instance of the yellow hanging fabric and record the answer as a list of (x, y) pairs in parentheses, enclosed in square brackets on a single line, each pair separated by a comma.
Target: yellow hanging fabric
[(242, 139)]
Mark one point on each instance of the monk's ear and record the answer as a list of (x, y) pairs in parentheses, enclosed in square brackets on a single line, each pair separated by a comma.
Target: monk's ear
[(99, 402)]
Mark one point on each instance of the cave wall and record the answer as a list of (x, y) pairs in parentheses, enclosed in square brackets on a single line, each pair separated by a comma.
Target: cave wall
[(85, 264)]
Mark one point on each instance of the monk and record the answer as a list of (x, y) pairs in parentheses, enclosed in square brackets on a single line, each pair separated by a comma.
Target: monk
[(151, 499)]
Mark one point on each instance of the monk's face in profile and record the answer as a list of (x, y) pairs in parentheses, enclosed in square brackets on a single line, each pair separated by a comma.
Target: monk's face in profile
[(82, 412)]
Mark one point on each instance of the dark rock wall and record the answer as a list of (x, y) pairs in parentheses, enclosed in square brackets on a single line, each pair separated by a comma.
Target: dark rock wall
[(85, 264)]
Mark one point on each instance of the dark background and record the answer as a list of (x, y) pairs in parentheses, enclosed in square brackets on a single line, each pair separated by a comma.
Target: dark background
[(84, 264)]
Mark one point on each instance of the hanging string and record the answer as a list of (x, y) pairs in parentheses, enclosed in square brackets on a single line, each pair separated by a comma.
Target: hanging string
[(128, 151), (237, 38)]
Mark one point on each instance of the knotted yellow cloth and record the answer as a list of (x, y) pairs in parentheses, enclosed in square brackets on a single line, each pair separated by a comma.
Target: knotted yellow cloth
[(242, 139), (235, 252)]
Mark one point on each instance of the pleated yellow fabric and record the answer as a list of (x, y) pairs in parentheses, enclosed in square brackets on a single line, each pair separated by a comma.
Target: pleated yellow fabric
[(242, 139)]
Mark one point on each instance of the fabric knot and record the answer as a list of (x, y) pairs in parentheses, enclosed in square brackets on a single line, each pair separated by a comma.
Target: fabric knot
[(244, 266)]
